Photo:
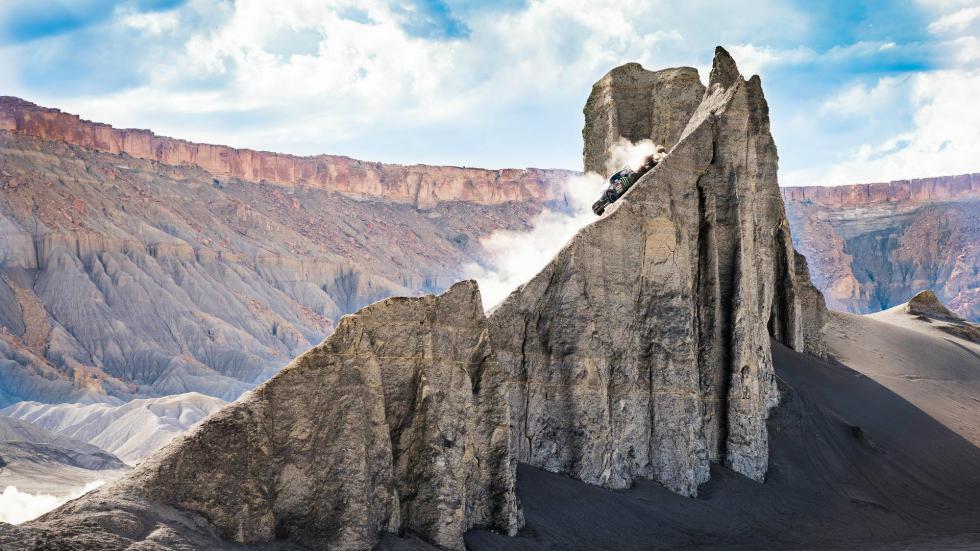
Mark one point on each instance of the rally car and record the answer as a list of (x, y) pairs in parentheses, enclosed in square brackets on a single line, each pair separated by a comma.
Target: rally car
[(620, 182)]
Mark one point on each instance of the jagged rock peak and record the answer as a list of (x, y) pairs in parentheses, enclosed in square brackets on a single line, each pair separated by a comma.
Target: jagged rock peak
[(724, 71), (397, 421), (643, 348)]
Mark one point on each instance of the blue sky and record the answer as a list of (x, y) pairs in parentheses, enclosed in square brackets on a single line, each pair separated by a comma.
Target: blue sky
[(858, 91)]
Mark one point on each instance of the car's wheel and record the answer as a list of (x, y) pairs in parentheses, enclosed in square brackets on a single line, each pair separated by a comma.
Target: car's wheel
[(599, 207)]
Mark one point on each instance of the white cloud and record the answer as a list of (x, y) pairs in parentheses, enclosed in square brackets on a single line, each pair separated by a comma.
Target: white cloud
[(859, 99), (151, 23), (958, 20), (752, 59), (209, 60), (944, 138), (17, 507)]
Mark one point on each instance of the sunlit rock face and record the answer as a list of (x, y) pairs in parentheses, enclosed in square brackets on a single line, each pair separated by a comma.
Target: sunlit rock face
[(874, 246), (635, 104), (643, 350)]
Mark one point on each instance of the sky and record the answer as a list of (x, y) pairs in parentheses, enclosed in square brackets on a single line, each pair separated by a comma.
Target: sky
[(858, 91)]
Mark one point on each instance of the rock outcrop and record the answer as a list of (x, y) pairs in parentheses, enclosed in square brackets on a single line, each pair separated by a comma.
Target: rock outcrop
[(632, 103), (873, 246), (643, 349), (420, 185), (398, 421), (926, 306)]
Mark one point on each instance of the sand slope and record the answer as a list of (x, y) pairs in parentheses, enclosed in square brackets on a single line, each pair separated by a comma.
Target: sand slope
[(915, 358), (853, 464), (35, 460)]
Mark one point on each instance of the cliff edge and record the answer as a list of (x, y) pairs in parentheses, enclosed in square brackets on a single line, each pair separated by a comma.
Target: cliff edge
[(422, 186)]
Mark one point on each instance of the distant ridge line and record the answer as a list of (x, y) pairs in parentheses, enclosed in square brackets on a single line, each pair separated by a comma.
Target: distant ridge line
[(423, 186)]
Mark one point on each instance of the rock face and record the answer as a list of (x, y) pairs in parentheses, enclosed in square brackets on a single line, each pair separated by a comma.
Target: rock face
[(397, 421), (873, 246), (123, 278), (419, 185), (927, 304), (643, 349), (927, 307), (633, 103)]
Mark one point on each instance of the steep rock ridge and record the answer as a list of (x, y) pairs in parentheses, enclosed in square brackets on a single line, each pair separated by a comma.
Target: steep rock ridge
[(123, 278), (873, 246), (419, 185), (397, 421), (643, 349), (636, 104)]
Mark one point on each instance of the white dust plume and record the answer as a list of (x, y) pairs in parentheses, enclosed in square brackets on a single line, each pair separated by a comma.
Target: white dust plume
[(626, 153), (17, 507), (514, 257)]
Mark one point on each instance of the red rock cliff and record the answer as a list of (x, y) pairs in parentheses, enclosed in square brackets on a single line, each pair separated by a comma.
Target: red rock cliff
[(872, 246), (421, 185), (923, 190)]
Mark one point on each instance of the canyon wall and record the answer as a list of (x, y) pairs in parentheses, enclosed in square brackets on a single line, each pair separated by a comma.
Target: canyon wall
[(422, 186), (123, 277), (874, 246)]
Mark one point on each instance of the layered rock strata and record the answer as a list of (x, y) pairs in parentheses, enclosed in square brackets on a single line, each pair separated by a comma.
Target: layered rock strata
[(420, 185), (124, 278), (642, 349), (873, 246)]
